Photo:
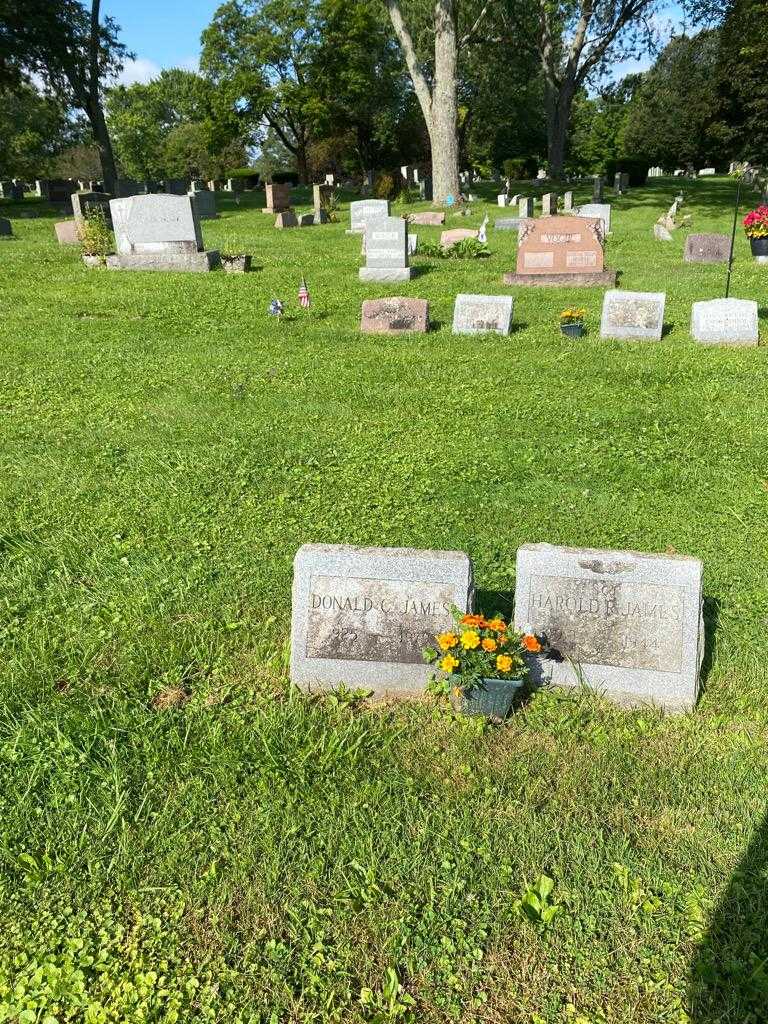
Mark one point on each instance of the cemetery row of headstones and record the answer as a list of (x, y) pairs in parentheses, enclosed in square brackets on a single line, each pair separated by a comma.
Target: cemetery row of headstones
[(626, 315), (626, 623)]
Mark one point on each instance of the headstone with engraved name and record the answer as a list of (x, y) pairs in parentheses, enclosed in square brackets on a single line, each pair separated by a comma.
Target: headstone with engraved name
[(707, 249), (158, 232), (601, 210), (278, 198), (85, 203), (205, 203), (394, 316), (625, 623), (725, 322), (638, 315), (365, 210), (386, 250), (363, 616), (482, 314), (556, 251)]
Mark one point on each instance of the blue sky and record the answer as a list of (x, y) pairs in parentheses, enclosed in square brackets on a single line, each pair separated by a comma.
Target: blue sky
[(165, 35)]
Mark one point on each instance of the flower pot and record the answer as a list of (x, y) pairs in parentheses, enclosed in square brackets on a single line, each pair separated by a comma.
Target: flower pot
[(572, 330), (236, 264), (491, 697), (759, 246)]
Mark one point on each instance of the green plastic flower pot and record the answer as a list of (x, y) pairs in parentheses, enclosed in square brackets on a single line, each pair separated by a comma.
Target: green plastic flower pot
[(572, 330), (491, 697)]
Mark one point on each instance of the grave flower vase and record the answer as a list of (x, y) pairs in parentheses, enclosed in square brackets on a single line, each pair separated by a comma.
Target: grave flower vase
[(759, 246), (573, 330), (491, 698)]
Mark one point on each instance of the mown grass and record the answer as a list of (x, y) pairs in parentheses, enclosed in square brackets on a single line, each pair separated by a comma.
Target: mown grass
[(185, 838)]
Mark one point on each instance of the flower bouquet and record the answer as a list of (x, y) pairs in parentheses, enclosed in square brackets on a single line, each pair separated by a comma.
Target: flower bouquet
[(572, 322), (483, 663), (756, 230)]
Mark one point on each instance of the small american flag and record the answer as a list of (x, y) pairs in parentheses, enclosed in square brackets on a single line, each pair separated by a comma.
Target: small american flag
[(304, 294)]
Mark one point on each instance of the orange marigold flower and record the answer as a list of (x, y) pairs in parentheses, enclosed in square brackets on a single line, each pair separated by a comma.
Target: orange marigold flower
[(472, 620), (503, 663), (499, 625), (489, 644), (530, 643), (446, 641)]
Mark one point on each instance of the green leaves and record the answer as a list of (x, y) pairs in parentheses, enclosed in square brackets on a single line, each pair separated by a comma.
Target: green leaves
[(537, 904)]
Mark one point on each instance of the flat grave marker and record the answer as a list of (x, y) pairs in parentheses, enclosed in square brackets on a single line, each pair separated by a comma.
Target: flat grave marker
[(482, 314), (634, 315), (707, 248), (725, 322), (626, 623), (394, 316)]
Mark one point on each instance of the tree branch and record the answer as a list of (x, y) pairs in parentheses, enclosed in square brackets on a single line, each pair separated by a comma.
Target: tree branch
[(420, 84), (478, 20)]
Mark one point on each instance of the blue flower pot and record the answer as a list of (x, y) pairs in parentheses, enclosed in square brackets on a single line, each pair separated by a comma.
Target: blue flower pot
[(573, 330), (491, 698)]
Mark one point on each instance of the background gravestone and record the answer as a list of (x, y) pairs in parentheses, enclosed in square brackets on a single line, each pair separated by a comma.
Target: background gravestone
[(158, 232), (84, 203), (525, 207), (725, 322), (507, 223), (6, 230), (394, 316), (600, 210), (626, 623), (481, 314), (66, 232), (386, 250), (204, 202), (707, 249), (278, 199), (638, 315), (364, 210), (362, 616)]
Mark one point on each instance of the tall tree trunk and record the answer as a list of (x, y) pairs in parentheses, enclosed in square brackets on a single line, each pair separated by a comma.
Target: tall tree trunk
[(559, 103), (104, 144), (444, 131), (439, 105), (93, 106)]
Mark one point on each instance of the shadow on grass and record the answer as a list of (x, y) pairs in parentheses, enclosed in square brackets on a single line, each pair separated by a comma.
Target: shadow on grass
[(729, 978), (711, 618)]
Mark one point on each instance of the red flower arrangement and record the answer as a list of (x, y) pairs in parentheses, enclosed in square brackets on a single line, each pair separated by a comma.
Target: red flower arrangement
[(756, 223)]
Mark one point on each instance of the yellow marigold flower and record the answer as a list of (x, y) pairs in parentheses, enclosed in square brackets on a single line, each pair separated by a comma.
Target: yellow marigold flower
[(447, 640), (449, 663), (470, 639), (489, 644), (504, 663)]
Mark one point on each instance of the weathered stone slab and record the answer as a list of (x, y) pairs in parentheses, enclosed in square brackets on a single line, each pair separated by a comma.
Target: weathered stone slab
[(394, 316), (66, 232), (637, 315), (365, 210), (306, 220), (427, 219), (507, 223), (449, 238), (548, 204), (155, 223), (363, 616), (707, 248), (196, 262), (386, 250), (288, 219), (5, 228), (84, 203), (413, 244), (707, 172), (662, 234), (725, 322), (568, 203), (601, 211), (482, 314), (625, 623), (525, 207), (278, 198), (205, 204), (597, 190)]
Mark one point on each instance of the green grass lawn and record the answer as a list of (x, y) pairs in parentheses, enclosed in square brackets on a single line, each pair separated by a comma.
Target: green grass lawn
[(182, 836)]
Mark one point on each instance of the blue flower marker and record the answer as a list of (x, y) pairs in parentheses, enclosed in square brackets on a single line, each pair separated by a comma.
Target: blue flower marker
[(449, 200)]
